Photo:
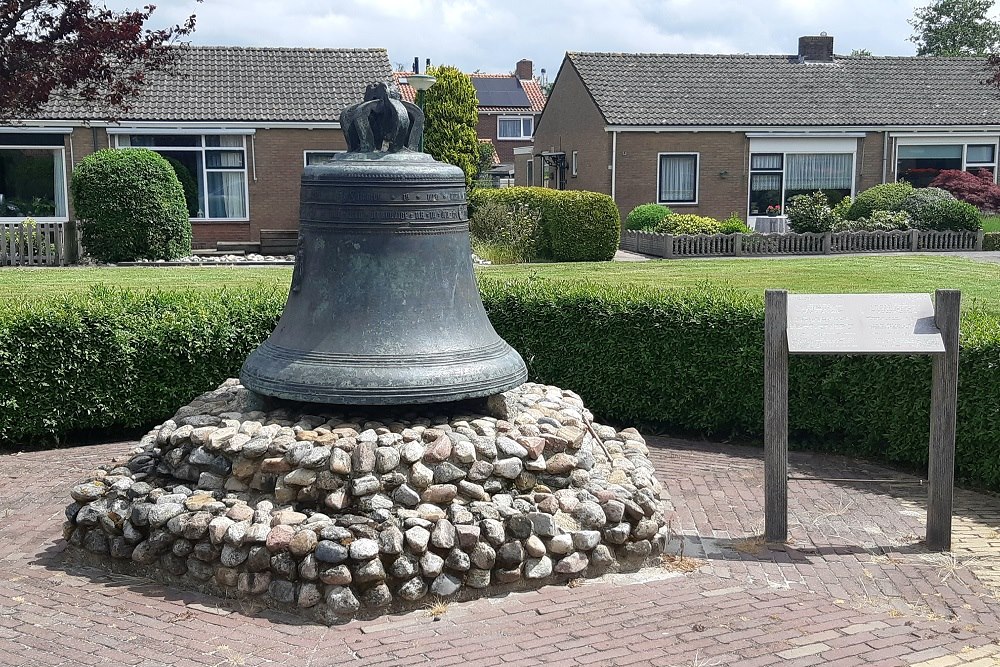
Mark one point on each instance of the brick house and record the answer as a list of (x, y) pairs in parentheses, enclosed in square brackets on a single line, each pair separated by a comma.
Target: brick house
[(717, 134), (509, 108), (238, 124)]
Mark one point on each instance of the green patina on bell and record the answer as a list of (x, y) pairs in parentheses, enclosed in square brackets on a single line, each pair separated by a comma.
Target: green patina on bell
[(384, 308)]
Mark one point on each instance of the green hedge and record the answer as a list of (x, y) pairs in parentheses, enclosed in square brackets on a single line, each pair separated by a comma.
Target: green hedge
[(689, 360), (576, 225), (991, 241)]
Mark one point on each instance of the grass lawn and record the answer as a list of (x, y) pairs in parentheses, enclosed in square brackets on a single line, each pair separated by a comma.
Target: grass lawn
[(991, 223), (979, 282)]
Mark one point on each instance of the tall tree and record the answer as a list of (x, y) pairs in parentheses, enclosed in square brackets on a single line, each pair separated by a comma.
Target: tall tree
[(450, 117), (955, 28), (81, 50)]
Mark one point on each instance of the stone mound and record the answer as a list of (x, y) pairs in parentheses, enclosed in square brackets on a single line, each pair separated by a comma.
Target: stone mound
[(336, 515)]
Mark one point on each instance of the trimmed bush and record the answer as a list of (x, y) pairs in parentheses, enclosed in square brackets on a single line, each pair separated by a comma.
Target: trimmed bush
[(991, 241), (688, 223), (948, 214), (977, 189), (884, 197), (690, 360), (919, 200), (810, 213), (878, 221), (114, 358), (734, 225), (131, 206), (841, 208), (576, 226), (645, 217)]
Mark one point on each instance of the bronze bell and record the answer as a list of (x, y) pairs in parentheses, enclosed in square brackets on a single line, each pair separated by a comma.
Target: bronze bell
[(384, 308)]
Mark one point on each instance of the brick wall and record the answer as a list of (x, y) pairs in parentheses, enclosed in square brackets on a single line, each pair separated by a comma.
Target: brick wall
[(486, 128), (571, 122)]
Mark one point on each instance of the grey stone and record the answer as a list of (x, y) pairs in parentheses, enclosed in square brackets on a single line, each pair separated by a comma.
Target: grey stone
[(233, 556), (421, 476), (494, 531), (483, 556), (510, 555), (309, 595), (464, 451), (364, 485), (159, 514), (508, 468), (585, 540), (478, 578), (364, 549), (85, 493), (589, 515), (573, 563), (472, 490), (446, 584), (417, 539), (411, 452), (386, 459), (341, 601), (602, 556), (370, 570), (363, 457), (328, 551), (377, 596), (535, 547), (467, 535), (340, 462), (618, 534), (282, 591), (645, 529), (443, 535), (637, 550), (391, 541), (543, 524), (510, 447), (301, 477), (614, 510), (431, 564), (457, 560), (337, 575), (258, 558), (479, 471), (538, 568), (316, 457), (519, 526), (413, 589), (447, 472)]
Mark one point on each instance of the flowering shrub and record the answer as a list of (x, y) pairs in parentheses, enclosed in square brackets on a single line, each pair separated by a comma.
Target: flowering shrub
[(688, 224), (505, 232), (878, 221), (810, 213), (977, 189), (645, 217)]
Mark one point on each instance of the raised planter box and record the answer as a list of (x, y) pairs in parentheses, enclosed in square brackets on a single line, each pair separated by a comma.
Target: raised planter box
[(739, 245)]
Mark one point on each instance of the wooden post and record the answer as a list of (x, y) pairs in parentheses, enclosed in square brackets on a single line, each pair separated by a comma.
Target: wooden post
[(775, 415), (944, 405)]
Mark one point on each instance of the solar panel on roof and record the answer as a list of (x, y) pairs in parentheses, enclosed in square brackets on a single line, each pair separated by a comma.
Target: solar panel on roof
[(500, 92)]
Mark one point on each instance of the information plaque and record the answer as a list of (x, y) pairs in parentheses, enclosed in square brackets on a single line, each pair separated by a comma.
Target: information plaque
[(862, 324)]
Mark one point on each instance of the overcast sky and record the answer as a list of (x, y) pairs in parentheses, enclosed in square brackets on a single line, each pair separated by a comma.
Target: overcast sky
[(491, 35)]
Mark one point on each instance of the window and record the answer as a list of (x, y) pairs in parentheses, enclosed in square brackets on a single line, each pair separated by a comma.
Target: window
[(920, 164), (529, 172), (515, 127), (32, 176), (678, 178), (212, 170), (319, 157), (777, 177), (573, 164)]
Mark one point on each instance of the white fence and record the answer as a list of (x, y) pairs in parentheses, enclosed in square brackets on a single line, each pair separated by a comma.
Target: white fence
[(38, 244), (738, 245)]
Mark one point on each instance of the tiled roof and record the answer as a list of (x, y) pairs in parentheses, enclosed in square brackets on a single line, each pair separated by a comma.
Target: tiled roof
[(228, 83), (683, 89), (530, 86)]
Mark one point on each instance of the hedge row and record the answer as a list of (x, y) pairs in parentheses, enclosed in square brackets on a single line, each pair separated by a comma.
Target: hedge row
[(690, 360), (576, 225)]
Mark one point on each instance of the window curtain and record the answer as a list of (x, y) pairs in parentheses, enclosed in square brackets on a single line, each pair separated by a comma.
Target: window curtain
[(59, 181), (822, 171), (227, 199), (677, 178), (510, 127)]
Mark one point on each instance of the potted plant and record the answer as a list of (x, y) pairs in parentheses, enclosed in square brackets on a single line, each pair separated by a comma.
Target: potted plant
[(773, 211)]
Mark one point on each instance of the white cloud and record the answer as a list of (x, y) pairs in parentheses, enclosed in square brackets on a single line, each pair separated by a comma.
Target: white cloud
[(491, 36)]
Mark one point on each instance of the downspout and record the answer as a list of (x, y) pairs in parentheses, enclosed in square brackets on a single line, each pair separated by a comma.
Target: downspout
[(885, 156), (614, 164), (253, 155)]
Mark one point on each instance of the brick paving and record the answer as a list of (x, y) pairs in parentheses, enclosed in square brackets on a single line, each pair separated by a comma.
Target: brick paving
[(853, 586)]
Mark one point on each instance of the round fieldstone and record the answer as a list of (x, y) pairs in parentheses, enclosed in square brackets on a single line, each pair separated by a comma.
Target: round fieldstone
[(417, 539), (602, 556), (90, 491), (585, 540), (390, 541), (510, 555), (589, 515), (302, 543), (253, 583), (538, 568), (377, 596), (328, 551), (309, 595), (413, 589), (457, 560), (371, 570), (572, 564), (364, 549), (446, 584), (338, 575), (431, 564), (341, 601), (404, 567), (279, 538)]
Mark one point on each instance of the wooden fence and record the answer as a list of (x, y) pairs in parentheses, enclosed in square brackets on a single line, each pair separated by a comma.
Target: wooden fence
[(738, 245), (38, 244)]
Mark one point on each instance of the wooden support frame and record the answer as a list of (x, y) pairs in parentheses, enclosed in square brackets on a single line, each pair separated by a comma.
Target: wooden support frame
[(869, 325)]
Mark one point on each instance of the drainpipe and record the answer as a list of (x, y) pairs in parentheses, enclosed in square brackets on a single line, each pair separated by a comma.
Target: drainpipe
[(614, 156), (885, 156)]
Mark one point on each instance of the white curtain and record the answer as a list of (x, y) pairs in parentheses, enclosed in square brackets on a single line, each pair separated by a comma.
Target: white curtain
[(59, 181), (227, 198), (820, 171), (677, 177)]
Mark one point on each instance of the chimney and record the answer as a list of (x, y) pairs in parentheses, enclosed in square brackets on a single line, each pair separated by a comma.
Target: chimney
[(523, 70), (416, 65), (816, 48)]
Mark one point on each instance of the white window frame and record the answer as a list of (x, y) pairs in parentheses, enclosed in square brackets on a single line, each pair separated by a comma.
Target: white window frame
[(963, 140), (697, 177), (205, 169), (307, 153), (799, 146), (573, 165), (522, 118), (60, 152)]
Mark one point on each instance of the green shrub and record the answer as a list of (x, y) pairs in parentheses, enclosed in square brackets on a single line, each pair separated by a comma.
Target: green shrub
[(937, 209), (884, 197), (841, 208), (645, 217), (112, 358), (692, 361), (991, 241), (810, 213), (688, 223), (188, 184), (131, 206), (878, 221), (734, 225), (505, 233), (576, 226)]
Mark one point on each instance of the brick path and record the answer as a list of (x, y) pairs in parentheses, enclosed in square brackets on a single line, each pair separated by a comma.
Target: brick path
[(852, 587)]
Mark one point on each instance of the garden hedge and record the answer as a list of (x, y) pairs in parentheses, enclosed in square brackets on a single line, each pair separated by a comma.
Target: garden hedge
[(689, 360), (576, 225)]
